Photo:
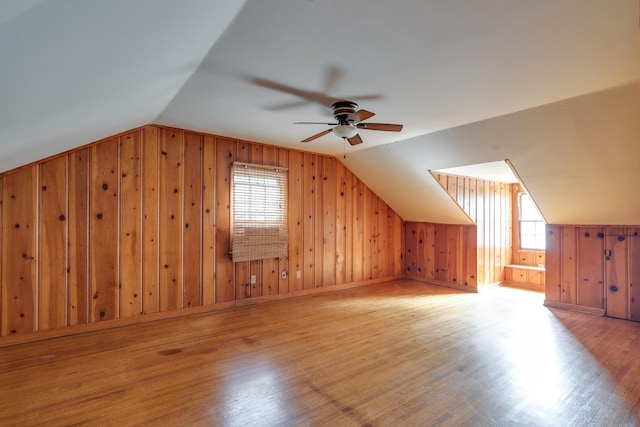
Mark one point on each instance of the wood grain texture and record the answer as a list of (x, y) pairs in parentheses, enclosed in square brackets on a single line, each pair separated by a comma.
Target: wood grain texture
[(209, 220), (192, 221), (19, 251), (569, 270), (309, 215), (140, 224), (225, 153), (616, 273), (413, 345), (78, 243), (590, 267), (130, 225), (171, 214), (150, 221), (103, 226), (489, 205), (605, 263), (634, 273), (53, 237), (553, 266), (296, 220)]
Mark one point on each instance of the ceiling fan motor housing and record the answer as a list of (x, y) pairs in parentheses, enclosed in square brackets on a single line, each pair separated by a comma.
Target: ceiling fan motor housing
[(342, 110)]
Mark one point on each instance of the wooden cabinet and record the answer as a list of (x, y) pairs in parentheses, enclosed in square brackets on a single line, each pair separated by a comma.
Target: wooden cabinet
[(594, 269), (590, 269), (634, 274), (616, 254)]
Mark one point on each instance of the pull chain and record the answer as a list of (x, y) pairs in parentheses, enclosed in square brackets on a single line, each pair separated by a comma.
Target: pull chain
[(344, 148)]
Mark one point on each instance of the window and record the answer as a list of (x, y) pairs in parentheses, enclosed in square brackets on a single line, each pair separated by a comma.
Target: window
[(531, 224), (259, 212)]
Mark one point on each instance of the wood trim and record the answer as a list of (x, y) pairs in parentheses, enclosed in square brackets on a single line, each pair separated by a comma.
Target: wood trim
[(574, 307)]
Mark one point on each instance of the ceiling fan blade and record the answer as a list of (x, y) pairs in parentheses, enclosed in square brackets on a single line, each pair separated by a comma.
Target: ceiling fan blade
[(389, 127), (355, 140), (361, 115), (316, 136), (315, 123)]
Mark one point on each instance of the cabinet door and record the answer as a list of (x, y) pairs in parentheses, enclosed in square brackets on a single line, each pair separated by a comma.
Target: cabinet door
[(552, 264), (616, 281), (634, 270), (591, 267), (569, 265)]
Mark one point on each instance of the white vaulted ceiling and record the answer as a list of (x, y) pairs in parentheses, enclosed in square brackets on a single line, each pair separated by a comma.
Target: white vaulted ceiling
[(552, 85)]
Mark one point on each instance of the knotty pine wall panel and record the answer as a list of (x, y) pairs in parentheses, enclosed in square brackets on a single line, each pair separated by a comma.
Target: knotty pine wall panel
[(130, 226), (584, 262), (208, 220), (634, 274), (53, 235), (171, 219), (77, 250), (103, 230), (140, 224), (19, 257), (150, 215), (296, 221), (489, 205), (442, 254), (590, 284)]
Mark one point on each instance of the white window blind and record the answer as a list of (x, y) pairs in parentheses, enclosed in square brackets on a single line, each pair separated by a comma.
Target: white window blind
[(259, 212)]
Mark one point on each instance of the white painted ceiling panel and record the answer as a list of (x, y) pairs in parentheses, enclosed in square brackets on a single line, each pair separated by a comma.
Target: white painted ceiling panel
[(551, 85), (76, 71)]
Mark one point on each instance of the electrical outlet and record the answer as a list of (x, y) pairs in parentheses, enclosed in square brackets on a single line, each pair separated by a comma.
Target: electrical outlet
[(298, 275), (283, 275), (253, 279)]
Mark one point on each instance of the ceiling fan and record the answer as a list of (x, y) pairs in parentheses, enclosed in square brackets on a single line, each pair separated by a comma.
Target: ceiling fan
[(349, 120)]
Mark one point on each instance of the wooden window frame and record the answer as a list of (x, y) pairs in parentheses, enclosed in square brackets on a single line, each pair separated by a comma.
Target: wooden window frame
[(519, 220), (259, 212)]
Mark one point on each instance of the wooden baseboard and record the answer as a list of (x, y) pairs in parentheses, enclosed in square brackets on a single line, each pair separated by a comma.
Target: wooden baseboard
[(575, 307), (472, 289), (10, 340), (528, 286)]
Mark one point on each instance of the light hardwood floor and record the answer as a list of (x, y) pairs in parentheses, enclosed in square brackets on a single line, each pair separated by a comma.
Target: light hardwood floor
[(395, 354)]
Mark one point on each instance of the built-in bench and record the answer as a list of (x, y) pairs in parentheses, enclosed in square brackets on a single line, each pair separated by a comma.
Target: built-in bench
[(524, 276)]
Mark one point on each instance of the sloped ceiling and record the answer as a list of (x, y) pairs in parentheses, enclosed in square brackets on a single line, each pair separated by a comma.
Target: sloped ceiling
[(551, 85)]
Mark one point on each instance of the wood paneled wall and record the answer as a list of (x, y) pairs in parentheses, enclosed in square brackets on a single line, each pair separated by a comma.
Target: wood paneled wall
[(442, 254), (140, 224), (488, 205), (594, 269)]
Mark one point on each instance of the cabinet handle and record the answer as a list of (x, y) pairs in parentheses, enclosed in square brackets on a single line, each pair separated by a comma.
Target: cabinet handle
[(613, 288)]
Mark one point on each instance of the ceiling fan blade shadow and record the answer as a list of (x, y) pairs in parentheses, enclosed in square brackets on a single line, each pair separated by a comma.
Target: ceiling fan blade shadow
[(389, 127), (316, 136), (287, 106), (308, 96), (333, 75), (364, 98), (355, 140)]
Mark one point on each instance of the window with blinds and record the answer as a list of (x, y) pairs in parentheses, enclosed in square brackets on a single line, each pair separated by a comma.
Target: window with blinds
[(259, 212)]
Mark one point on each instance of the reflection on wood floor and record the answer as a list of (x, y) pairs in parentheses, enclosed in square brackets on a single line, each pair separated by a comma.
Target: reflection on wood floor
[(401, 353)]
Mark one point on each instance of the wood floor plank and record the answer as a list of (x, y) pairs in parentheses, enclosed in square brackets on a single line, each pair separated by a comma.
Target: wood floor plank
[(400, 353)]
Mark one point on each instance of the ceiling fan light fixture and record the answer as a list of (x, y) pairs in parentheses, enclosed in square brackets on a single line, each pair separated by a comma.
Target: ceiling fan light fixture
[(345, 131)]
